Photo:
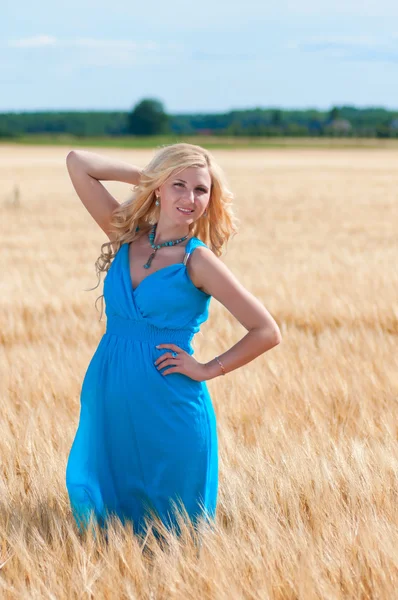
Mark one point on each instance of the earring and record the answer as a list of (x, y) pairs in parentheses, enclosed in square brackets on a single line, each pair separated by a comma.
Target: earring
[(205, 213), (157, 201)]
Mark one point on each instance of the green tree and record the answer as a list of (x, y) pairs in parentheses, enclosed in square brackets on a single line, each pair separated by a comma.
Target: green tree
[(334, 113), (148, 118), (276, 118)]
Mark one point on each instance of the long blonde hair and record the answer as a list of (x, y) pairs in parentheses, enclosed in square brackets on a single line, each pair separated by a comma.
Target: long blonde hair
[(140, 210)]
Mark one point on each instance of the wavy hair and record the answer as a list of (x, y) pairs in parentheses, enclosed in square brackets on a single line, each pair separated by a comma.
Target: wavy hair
[(140, 210)]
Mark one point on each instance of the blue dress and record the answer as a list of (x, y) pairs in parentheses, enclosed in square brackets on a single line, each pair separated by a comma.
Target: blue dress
[(145, 441)]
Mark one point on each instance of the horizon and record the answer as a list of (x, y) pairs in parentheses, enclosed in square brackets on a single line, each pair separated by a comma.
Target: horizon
[(265, 108)]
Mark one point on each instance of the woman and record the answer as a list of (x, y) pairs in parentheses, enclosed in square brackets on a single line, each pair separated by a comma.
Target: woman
[(146, 444)]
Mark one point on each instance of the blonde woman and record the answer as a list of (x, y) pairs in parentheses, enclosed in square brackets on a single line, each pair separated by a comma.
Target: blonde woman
[(146, 444)]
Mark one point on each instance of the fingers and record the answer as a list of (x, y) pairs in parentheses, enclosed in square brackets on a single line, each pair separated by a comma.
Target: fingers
[(171, 346), (165, 356), (173, 370), (167, 361)]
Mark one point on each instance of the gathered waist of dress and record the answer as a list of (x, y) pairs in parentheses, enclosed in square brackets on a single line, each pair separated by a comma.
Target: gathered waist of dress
[(147, 332)]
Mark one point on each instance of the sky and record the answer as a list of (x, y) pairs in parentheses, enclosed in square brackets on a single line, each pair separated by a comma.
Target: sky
[(213, 56)]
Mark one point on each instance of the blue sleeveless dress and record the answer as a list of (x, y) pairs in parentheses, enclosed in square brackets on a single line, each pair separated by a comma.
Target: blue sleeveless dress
[(145, 441)]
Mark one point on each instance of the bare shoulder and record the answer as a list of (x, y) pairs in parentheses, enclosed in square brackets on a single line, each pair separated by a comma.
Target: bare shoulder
[(214, 277), (209, 272)]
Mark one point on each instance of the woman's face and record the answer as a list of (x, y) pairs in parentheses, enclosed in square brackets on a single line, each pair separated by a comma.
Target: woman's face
[(188, 189)]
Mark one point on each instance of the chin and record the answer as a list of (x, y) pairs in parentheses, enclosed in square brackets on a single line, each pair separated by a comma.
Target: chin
[(187, 216)]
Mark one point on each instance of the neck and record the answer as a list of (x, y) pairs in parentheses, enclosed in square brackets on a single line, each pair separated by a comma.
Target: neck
[(166, 233)]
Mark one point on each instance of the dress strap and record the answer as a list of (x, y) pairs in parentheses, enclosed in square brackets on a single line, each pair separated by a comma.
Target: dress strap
[(186, 257), (193, 243), (188, 250)]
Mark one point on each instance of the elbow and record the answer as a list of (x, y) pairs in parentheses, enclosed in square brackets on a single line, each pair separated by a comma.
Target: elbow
[(277, 336), (271, 336), (71, 156)]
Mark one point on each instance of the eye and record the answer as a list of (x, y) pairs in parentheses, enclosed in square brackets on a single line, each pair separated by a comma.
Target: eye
[(198, 188)]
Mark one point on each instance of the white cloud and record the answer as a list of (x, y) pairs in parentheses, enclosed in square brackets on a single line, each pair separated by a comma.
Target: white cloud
[(40, 41), (363, 41), (37, 41), (350, 47), (100, 52)]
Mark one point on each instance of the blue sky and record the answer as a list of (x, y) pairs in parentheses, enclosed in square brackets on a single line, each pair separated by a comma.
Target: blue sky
[(214, 56)]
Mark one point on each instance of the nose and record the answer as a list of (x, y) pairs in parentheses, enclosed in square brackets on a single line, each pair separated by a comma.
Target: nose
[(190, 197)]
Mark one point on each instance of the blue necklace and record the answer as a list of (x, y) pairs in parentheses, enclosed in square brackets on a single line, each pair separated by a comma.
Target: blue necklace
[(156, 247)]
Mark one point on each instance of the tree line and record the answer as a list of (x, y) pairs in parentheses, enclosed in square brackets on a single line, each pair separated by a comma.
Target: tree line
[(148, 117)]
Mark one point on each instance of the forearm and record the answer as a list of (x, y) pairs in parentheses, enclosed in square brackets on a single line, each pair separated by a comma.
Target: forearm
[(254, 343), (105, 168)]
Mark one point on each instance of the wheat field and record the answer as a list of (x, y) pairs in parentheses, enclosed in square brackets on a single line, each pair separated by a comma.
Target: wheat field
[(308, 455)]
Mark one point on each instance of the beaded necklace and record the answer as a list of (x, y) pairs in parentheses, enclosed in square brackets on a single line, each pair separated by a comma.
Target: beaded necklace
[(156, 247)]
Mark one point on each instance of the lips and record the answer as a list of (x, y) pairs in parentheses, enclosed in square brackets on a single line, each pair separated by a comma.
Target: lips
[(186, 211)]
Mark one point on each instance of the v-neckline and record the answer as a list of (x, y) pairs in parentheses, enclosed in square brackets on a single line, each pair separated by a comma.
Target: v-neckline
[(172, 265)]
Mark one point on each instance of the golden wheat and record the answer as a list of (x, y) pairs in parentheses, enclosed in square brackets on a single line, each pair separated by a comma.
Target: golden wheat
[(308, 491)]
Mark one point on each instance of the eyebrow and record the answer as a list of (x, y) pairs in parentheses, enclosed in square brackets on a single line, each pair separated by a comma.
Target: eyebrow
[(202, 184)]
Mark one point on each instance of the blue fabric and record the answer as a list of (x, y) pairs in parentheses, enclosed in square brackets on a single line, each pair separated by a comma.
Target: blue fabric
[(145, 441)]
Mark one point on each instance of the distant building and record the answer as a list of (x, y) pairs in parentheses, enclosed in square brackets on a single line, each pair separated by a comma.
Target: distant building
[(340, 126), (394, 125), (204, 131)]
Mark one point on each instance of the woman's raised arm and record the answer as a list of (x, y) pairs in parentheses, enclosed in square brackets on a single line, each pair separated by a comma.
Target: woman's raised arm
[(86, 169)]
